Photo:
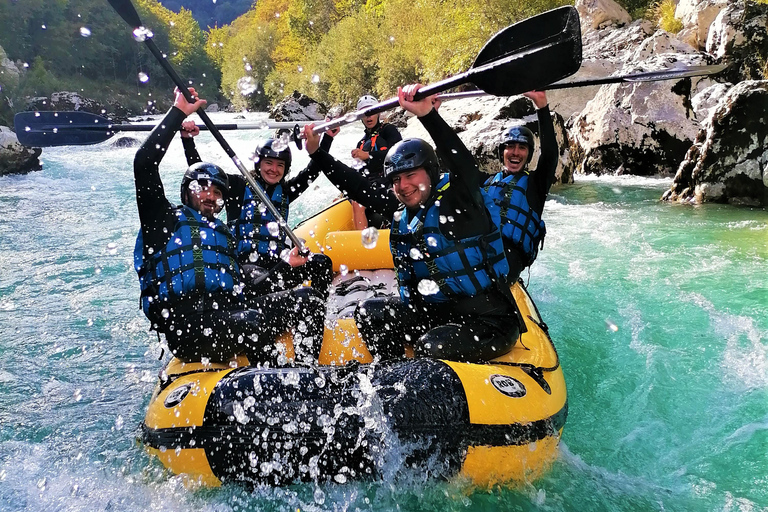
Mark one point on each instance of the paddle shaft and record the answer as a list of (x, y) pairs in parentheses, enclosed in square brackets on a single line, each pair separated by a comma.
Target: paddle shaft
[(150, 127), (225, 145), (653, 76)]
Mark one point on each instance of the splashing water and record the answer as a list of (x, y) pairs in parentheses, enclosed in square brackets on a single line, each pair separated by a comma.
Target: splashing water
[(85, 32), (369, 237), (141, 34), (273, 228), (428, 287), (143, 77)]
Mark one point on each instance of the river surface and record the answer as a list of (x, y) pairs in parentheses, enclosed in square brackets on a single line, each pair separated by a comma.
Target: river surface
[(659, 312)]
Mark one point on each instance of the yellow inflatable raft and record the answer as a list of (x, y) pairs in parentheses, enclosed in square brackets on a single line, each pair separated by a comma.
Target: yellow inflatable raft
[(494, 423)]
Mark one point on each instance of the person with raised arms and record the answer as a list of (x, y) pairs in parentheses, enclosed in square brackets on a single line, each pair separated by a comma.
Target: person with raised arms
[(454, 302), (192, 286), (519, 192), (371, 151), (260, 246)]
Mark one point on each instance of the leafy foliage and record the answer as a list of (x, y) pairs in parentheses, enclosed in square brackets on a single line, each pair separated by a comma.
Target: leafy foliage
[(663, 13)]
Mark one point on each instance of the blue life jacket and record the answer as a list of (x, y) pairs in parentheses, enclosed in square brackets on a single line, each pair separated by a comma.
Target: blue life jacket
[(250, 229), (447, 269), (199, 258), (521, 226)]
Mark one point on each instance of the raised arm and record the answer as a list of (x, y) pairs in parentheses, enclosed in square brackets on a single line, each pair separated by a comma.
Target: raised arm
[(376, 197)]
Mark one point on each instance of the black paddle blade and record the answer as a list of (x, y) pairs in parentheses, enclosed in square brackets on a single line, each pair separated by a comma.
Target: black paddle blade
[(48, 129), (127, 11), (530, 54)]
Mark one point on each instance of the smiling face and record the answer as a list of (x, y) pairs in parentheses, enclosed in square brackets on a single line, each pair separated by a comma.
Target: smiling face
[(206, 198), (272, 170), (370, 121), (412, 187), (515, 157)]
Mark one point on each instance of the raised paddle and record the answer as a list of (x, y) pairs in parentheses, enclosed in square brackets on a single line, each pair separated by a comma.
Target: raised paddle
[(632, 78), (126, 11), (528, 55), (75, 128)]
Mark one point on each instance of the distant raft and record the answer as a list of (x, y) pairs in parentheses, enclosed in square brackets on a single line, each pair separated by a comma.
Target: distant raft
[(493, 423)]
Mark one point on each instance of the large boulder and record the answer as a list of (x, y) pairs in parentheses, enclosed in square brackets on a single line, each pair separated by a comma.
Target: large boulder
[(739, 38), (298, 107), (67, 101), (15, 158), (729, 160), (481, 121), (697, 17), (644, 128), (9, 72)]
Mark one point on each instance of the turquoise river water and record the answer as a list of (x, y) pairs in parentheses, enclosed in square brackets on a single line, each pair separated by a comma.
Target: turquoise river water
[(659, 312)]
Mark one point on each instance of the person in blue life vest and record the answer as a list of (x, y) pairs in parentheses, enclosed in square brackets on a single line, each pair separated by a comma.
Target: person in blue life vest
[(261, 244), (445, 241), (520, 192), (371, 151), (191, 283)]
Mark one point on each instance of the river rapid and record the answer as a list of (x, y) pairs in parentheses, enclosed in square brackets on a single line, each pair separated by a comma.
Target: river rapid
[(659, 312)]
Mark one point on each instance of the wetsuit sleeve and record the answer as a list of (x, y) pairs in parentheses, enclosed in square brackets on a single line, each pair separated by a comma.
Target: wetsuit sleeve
[(388, 137), (542, 179), (190, 151), (358, 188), (463, 200), (296, 186), (155, 211)]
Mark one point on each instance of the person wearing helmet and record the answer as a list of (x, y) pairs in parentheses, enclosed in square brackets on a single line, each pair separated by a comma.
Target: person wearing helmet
[(446, 246), (519, 192), (191, 282), (371, 150), (261, 246)]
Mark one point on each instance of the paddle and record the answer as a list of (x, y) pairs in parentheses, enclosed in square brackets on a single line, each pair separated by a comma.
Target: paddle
[(528, 55), (651, 76), (74, 128), (126, 11)]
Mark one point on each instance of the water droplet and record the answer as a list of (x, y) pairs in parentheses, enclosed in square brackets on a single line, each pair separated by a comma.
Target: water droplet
[(273, 228), (194, 187), (248, 67), (391, 39), (432, 241), (27, 129), (207, 331), (112, 248), (611, 326), (428, 287), (443, 219), (37, 114), (370, 237), (247, 85), (119, 422), (141, 34), (357, 164), (300, 69), (55, 130), (285, 255), (89, 323), (343, 269), (279, 145), (43, 26), (85, 32), (165, 313), (319, 496), (340, 478), (415, 254), (143, 77), (78, 395), (239, 413), (315, 79)]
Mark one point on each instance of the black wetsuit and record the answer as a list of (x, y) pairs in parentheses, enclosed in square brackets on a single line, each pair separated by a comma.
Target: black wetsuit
[(474, 328), (216, 326), (272, 273), (540, 181), (376, 142)]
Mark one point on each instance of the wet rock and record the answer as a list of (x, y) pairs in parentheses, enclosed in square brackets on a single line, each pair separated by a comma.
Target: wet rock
[(729, 159), (646, 128), (125, 141), (298, 107), (15, 158), (67, 101)]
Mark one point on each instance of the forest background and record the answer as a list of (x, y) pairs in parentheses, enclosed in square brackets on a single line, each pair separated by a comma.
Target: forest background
[(331, 50)]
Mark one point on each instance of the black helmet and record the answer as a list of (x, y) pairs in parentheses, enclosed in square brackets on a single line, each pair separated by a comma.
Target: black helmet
[(265, 151), (409, 154), (519, 134), (204, 171)]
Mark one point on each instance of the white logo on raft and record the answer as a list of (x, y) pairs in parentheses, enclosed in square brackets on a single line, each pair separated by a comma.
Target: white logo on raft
[(508, 386), (175, 397)]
